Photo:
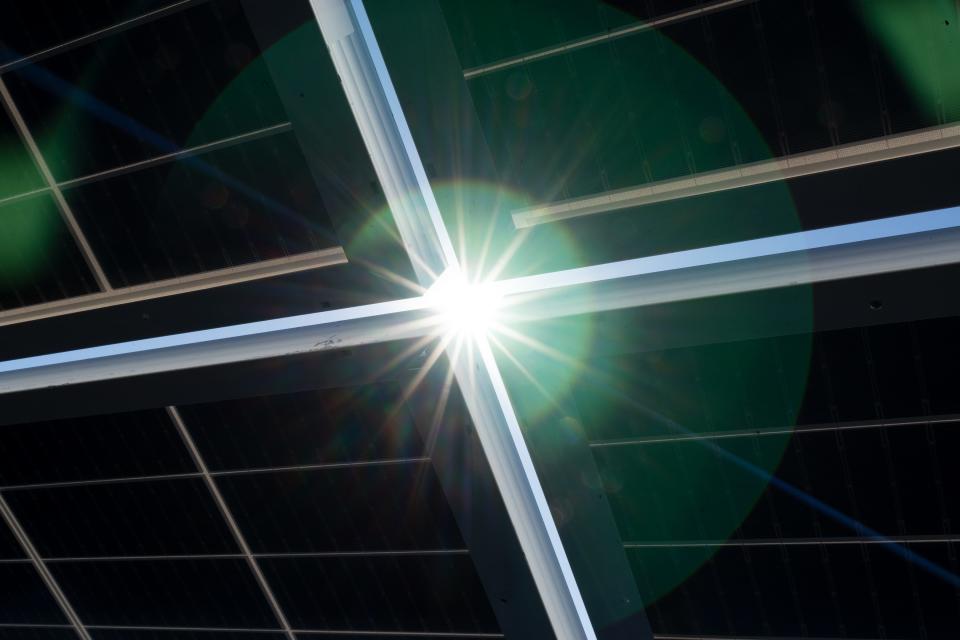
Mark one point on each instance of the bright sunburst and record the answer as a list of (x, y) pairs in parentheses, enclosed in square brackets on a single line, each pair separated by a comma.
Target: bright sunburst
[(465, 308)]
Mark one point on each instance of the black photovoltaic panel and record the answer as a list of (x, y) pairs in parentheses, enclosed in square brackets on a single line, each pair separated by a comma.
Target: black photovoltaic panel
[(249, 202), (123, 519), (896, 480), (437, 593), (311, 427), (676, 499), (18, 174), (853, 591), (885, 372), (34, 633), (39, 260), (696, 389), (109, 446), (373, 508), (503, 29), (388, 636), (171, 593), (32, 27), (24, 598), (137, 634), (184, 79), (9, 547), (356, 509)]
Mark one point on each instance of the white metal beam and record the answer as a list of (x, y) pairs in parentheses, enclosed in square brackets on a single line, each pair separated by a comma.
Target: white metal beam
[(848, 251), (376, 109), (746, 175), (323, 331)]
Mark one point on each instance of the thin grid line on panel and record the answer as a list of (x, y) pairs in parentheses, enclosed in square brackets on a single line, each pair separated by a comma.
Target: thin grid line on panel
[(96, 269), (93, 36), (652, 544), (384, 553), (782, 430), (180, 154), (612, 34), (791, 542), (38, 564), (231, 522), (230, 472), (334, 632)]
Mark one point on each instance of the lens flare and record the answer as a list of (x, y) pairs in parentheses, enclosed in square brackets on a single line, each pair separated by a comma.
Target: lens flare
[(465, 308)]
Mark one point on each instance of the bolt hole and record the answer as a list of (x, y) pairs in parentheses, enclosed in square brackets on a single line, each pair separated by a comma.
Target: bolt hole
[(876, 305)]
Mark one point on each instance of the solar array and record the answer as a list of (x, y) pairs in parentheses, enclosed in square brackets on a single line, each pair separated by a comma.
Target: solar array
[(771, 464)]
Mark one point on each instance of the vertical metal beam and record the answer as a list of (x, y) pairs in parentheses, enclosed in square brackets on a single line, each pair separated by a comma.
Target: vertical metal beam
[(65, 211), (27, 545), (231, 521), (373, 100)]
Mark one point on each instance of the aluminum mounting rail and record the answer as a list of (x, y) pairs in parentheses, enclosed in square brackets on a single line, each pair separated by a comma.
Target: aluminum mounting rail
[(914, 241), (376, 108), (746, 175), (176, 286)]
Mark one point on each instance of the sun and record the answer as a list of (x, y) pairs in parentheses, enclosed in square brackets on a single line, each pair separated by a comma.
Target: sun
[(465, 308)]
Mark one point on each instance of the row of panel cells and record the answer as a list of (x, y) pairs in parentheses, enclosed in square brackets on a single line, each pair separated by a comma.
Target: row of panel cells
[(398, 593), (42, 633), (864, 591), (888, 372), (741, 85), (893, 480), (360, 424)]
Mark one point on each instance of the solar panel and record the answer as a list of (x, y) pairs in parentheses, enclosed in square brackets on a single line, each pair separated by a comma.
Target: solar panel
[(767, 464)]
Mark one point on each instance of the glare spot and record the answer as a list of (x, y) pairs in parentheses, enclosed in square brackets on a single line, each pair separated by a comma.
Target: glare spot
[(464, 307)]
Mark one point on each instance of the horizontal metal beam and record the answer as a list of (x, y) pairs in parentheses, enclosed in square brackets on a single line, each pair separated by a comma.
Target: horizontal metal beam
[(887, 245), (861, 249), (612, 34), (326, 330), (176, 286), (746, 175)]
